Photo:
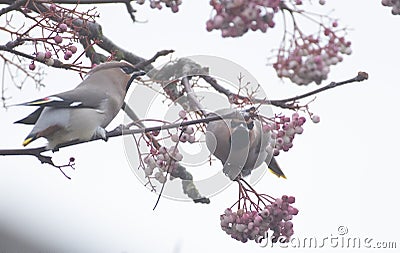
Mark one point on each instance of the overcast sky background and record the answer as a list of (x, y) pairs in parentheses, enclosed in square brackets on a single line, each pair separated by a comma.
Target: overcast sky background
[(343, 171)]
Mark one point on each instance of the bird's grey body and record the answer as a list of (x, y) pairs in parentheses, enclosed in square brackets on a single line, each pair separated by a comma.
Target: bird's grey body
[(241, 146), (83, 112)]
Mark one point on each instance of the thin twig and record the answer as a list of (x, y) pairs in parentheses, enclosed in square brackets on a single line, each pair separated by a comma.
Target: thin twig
[(283, 103)]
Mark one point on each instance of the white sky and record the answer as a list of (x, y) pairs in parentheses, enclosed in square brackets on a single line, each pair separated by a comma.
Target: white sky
[(343, 171)]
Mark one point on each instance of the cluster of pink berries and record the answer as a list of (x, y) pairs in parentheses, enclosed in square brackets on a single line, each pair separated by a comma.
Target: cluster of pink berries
[(188, 132), (252, 225), (310, 61), (173, 4), (186, 136), (56, 38), (46, 57), (165, 159), (395, 4), (283, 131), (235, 17)]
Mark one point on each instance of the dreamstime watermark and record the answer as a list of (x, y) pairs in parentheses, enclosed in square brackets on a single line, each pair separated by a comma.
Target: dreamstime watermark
[(339, 240)]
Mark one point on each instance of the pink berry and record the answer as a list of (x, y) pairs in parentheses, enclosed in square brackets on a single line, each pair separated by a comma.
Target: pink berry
[(63, 27), (73, 49), (58, 39), (40, 56), (32, 66), (335, 24), (174, 138), (315, 119), (298, 130), (53, 7), (182, 114), (47, 55), (218, 21), (189, 130), (209, 25), (302, 120), (184, 138), (175, 8), (68, 53)]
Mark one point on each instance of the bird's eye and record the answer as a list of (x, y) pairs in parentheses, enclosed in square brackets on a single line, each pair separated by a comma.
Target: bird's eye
[(127, 69)]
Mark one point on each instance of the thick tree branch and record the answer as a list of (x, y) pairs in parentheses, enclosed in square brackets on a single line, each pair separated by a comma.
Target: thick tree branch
[(90, 1), (14, 5), (129, 7)]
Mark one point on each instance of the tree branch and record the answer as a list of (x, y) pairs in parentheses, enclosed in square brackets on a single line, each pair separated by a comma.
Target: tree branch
[(118, 131), (14, 5), (193, 101), (57, 63), (361, 76), (283, 103)]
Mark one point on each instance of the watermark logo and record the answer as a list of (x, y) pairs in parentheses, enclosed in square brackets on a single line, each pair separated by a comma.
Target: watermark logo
[(340, 240)]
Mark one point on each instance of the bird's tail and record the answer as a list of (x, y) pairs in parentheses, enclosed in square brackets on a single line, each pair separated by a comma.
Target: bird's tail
[(275, 169), (31, 137)]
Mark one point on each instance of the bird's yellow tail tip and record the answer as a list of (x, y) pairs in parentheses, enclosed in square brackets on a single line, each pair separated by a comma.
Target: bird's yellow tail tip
[(277, 174), (27, 141)]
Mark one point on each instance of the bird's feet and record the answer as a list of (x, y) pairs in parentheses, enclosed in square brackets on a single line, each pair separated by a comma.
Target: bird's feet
[(100, 133)]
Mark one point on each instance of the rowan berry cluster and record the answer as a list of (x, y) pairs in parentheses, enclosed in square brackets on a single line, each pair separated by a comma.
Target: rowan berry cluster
[(310, 58), (283, 130), (157, 4), (57, 39), (395, 4), (165, 160), (235, 17), (246, 224)]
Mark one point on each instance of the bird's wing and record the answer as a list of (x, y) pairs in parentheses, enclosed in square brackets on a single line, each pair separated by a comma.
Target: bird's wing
[(80, 97), (31, 118)]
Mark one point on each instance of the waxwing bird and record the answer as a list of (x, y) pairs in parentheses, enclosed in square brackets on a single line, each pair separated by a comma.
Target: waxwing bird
[(82, 113), (240, 144)]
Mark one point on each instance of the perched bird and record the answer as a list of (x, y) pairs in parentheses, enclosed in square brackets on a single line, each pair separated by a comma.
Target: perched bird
[(240, 144), (82, 113)]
